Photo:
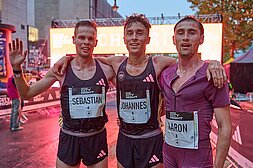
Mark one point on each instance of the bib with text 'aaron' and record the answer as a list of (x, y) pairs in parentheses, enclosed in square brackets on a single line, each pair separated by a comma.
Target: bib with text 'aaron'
[(182, 129)]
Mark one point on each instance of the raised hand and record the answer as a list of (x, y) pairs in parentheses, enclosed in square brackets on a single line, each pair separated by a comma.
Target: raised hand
[(16, 54)]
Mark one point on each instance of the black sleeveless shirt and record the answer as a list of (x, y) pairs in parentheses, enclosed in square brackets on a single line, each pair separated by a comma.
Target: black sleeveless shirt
[(137, 100), (76, 92)]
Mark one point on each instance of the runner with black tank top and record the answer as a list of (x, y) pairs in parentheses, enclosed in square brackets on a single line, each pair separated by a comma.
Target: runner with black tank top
[(137, 103), (84, 118), (83, 96)]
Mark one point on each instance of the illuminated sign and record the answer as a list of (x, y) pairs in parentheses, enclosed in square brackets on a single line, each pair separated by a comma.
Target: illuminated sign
[(33, 34), (110, 41)]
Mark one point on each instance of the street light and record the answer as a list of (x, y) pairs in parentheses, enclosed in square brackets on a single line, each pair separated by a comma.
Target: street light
[(115, 7)]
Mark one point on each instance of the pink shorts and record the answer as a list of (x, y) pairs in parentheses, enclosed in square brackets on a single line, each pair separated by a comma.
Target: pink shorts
[(186, 158)]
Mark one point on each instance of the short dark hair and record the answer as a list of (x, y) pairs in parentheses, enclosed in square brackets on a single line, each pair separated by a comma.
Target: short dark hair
[(135, 17), (191, 18), (88, 23)]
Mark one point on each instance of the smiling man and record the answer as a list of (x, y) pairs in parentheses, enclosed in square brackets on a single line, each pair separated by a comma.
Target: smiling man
[(83, 95)]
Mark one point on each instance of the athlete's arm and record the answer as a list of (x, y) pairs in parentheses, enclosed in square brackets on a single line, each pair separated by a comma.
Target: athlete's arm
[(60, 66), (223, 120), (26, 91), (17, 57), (214, 70), (115, 62), (104, 60), (162, 62), (109, 72)]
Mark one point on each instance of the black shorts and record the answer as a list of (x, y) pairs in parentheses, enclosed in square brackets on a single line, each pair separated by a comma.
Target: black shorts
[(141, 153), (91, 149)]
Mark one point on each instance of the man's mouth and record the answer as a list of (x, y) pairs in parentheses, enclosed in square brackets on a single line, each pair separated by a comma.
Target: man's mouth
[(85, 49), (134, 45), (185, 45)]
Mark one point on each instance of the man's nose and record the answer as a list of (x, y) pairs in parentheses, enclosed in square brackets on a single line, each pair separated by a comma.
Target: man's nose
[(186, 36), (85, 40), (134, 35)]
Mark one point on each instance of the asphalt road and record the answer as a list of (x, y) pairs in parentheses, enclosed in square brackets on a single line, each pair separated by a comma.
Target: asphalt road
[(36, 145)]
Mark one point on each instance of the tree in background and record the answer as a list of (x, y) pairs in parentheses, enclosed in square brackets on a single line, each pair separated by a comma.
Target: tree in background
[(237, 22)]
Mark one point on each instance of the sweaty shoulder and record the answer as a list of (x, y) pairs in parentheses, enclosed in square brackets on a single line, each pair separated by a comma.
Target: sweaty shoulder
[(162, 62), (108, 70), (116, 59)]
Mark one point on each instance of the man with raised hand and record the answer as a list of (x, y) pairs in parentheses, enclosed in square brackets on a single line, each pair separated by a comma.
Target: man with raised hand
[(83, 95)]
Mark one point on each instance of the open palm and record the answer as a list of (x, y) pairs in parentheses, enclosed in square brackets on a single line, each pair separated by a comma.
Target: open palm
[(16, 55)]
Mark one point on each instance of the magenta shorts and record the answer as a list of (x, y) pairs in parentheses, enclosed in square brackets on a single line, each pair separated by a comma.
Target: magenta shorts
[(186, 158)]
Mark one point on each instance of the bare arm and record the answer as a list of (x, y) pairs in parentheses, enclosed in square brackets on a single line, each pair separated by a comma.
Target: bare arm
[(109, 72), (222, 116), (60, 66), (104, 60), (17, 57), (162, 62), (26, 91)]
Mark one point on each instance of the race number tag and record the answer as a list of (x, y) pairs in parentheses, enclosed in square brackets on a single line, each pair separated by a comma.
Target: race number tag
[(135, 107), (182, 129), (86, 102)]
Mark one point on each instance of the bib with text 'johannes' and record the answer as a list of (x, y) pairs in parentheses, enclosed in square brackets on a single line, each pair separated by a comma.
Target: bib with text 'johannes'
[(182, 129), (87, 102), (135, 107)]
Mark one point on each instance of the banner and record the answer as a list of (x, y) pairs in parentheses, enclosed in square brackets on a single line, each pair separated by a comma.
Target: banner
[(3, 70), (241, 148), (52, 94)]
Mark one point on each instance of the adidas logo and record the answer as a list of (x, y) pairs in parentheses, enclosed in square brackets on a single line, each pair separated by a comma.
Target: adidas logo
[(101, 154), (237, 136), (149, 78), (101, 82), (154, 159)]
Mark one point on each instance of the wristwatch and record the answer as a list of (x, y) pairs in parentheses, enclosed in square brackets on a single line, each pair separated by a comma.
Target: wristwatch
[(17, 73)]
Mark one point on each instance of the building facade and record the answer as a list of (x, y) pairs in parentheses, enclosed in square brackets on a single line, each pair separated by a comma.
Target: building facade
[(33, 19), (14, 12), (48, 10)]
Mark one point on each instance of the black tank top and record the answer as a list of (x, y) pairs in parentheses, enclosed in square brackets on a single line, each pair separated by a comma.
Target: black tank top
[(76, 92), (137, 100)]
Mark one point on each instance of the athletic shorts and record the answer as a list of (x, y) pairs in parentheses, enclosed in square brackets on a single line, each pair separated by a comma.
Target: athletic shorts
[(91, 149), (141, 152), (187, 158)]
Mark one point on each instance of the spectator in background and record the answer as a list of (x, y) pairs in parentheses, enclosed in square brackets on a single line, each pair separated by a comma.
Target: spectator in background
[(15, 105)]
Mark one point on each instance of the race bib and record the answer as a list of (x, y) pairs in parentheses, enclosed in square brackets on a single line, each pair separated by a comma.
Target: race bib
[(135, 107), (86, 102), (182, 129)]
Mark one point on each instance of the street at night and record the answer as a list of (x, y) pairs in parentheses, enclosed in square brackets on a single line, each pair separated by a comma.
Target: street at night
[(36, 145), (175, 82)]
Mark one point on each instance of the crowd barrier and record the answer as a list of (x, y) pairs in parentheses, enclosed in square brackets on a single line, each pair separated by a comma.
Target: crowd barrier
[(47, 98), (241, 148)]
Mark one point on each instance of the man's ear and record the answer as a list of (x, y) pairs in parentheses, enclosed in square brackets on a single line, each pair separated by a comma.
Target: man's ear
[(173, 39), (148, 41), (124, 38), (201, 41), (73, 38), (96, 42)]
